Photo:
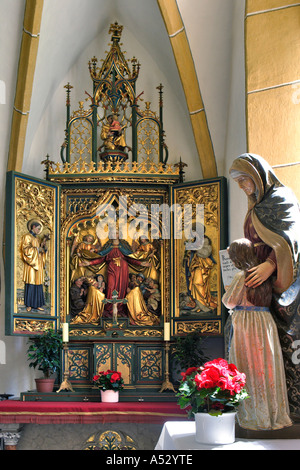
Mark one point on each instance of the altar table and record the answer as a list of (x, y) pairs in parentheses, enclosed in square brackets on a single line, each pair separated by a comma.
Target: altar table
[(15, 411), (181, 436)]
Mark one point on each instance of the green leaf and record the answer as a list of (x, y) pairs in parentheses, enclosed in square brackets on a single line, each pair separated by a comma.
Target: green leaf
[(215, 412)]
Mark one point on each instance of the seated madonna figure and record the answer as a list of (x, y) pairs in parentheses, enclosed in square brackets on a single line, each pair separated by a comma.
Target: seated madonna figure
[(112, 134)]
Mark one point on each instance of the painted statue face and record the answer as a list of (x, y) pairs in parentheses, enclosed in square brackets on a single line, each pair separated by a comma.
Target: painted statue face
[(36, 229), (246, 184), (89, 239)]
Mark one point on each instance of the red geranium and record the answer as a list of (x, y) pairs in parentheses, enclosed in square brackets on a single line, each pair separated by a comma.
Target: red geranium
[(188, 372), (109, 380), (217, 387), (115, 376)]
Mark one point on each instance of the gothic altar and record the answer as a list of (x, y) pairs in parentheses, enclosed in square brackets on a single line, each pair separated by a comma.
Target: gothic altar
[(115, 226)]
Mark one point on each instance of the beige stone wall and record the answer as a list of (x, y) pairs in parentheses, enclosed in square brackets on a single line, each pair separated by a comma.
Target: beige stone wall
[(272, 52)]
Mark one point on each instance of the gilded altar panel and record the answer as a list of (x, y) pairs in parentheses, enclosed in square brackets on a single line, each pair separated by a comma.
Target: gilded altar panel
[(31, 254), (80, 364), (197, 285), (150, 360), (124, 361), (103, 357), (147, 298)]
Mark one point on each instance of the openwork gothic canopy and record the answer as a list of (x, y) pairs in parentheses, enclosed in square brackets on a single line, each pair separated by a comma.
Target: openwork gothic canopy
[(114, 126)]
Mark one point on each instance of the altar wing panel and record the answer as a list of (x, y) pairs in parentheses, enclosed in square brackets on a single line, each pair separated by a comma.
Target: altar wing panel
[(199, 222), (31, 255)]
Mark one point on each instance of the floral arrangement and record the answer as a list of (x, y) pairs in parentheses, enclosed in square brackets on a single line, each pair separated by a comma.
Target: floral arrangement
[(109, 380), (215, 388)]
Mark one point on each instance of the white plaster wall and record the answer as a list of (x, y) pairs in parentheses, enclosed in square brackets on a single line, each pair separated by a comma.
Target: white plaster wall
[(236, 140)]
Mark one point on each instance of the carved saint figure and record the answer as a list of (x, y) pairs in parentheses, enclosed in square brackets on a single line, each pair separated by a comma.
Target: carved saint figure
[(33, 253), (146, 251), (93, 308), (199, 266), (78, 294), (112, 134), (86, 249)]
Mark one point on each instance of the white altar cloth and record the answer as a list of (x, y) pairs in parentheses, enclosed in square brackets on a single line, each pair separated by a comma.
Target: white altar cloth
[(180, 435)]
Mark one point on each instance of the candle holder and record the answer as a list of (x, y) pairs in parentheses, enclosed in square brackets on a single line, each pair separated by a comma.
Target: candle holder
[(65, 385), (167, 384)]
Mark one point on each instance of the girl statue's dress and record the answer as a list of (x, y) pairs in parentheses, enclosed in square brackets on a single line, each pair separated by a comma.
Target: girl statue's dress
[(255, 350)]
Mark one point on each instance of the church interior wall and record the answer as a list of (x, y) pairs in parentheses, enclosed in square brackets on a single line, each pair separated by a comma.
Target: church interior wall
[(221, 79)]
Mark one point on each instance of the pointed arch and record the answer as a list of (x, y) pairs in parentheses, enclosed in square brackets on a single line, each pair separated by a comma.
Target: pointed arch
[(188, 76), (28, 54)]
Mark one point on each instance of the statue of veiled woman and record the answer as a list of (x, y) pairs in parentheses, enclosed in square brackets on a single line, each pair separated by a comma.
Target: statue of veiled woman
[(272, 224)]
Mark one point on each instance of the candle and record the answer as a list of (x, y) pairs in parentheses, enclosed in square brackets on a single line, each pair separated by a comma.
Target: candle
[(65, 332), (167, 331)]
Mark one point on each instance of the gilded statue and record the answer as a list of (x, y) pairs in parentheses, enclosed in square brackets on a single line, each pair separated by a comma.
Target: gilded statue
[(199, 265), (115, 257), (112, 134), (33, 253)]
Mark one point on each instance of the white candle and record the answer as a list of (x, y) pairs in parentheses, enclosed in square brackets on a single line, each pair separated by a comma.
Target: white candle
[(65, 332), (167, 332)]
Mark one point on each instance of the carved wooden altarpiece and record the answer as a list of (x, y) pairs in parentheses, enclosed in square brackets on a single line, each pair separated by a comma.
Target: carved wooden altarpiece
[(112, 170)]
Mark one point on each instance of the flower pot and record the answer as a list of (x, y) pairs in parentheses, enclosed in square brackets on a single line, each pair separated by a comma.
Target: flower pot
[(109, 396), (215, 429), (44, 385)]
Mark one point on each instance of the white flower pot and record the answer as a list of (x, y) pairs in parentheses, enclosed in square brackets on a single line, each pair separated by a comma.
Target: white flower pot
[(109, 396), (215, 429)]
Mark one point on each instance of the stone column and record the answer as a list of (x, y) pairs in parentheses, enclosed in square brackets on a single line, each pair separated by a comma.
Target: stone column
[(11, 434)]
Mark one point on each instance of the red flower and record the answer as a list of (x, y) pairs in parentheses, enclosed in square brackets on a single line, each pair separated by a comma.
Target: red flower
[(218, 373), (209, 377), (218, 406), (217, 385), (188, 372), (96, 377), (115, 377)]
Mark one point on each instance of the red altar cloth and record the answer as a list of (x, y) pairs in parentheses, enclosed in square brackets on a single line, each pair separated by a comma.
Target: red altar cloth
[(14, 411)]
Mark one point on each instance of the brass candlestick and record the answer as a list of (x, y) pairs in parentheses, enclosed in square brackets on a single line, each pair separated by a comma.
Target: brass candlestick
[(65, 385), (167, 384)]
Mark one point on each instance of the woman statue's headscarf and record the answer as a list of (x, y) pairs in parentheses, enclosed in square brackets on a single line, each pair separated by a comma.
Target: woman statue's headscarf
[(275, 215)]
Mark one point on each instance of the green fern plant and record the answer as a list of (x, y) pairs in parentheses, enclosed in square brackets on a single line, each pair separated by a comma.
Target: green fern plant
[(44, 352)]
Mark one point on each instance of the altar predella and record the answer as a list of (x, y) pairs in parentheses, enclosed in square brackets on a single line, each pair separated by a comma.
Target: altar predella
[(113, 242)]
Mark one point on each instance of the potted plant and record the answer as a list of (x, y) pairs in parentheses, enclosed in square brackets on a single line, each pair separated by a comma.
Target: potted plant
[(109, 382), (44, 353), (188, 351), (212, 393)]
